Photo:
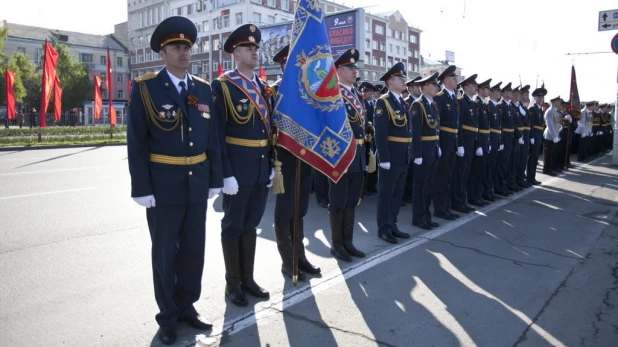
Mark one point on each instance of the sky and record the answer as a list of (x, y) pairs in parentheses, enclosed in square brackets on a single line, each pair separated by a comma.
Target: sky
[(495, 39)]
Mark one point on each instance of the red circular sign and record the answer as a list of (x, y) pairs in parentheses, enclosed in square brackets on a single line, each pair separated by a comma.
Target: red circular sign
[(615, 44)]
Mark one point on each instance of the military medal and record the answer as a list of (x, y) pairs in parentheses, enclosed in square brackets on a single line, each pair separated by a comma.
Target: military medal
[(205, 110), (238, 108)]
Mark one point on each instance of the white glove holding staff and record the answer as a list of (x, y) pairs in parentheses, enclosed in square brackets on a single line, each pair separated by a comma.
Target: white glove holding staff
[(146, 201)]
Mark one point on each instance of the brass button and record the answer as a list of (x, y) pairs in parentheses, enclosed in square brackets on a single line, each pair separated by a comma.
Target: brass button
[(191, 144), (262, 155), (190, 173), (190, 129)]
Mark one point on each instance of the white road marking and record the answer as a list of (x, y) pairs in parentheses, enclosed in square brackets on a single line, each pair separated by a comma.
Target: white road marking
[(46, 193), (55, 170)]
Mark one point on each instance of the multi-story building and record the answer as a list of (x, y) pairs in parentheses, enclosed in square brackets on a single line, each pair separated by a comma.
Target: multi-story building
[(430, 67), (384, 40)]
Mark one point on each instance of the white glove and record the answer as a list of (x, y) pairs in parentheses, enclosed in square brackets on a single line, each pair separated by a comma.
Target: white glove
[(146, 201), (230, 186), (418, 161), (489, 150), (439, 152), (569, 118), (584, 135), (501, 148), (270, 178), (556, 140), (212, 192), (385, 166), (521, 140), (460, 151), (600, 133), (479, 152), (532, 141)]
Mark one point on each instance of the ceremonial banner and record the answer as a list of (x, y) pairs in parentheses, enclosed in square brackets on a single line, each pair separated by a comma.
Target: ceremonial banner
[(9, 78), (98, 101), (109, 83), (574, 107), (262, 74), (57, 99), (49, 76), (309, 110), (220, 70)]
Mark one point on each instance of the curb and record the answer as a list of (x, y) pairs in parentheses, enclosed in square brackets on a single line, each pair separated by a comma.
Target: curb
[(23, 148)]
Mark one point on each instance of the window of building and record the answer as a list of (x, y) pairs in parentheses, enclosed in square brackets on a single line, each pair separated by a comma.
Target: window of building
[(38, 55), (403, 49), (103, 60), (239, 18), (270, 3), (365, 75), (102, 75), (375, 60), (413, 38), (382, 62), (215, 45), (222, 3), (390, 48), (148, 56), (141, 19), (184, 10), (86, 58), (132, 59), (390, 63), (374, 76), (285, 5), (198, 27), (156, 15), (160, 13), (271, 19), (133, 41), (416, 54), (227, 65), (215, 66), (205, 26), (367, 57), (205, 46), (205, 65), (118, 61), (140, 40), (379, 29), (194, 68), (382, 46), (367, 43), (389, 32), (415, 67), (375, 44), (257, 1), (398, 50), (410, 67), (366, 26), (120, 78), (148, 39), (120, 94), (225, 21), (104, 94), (257, 18)]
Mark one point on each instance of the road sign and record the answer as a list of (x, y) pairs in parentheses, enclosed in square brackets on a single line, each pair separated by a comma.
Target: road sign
[(608, 20), (615, 44)]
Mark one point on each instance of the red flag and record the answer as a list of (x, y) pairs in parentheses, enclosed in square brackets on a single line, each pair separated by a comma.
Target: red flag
[(57, 99), (575, 109), (220, 70), (262, 73), (108, 79), (130, 87), (98, 101), (49, 75), (10, 94)]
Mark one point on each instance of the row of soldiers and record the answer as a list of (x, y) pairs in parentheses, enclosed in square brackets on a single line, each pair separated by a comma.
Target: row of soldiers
[(593, 134)]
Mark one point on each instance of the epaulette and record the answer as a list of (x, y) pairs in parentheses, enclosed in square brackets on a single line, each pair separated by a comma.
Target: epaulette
[(146, 77), (440, 93), (200, 79), (383, 97), (460, 97), (499, 102)]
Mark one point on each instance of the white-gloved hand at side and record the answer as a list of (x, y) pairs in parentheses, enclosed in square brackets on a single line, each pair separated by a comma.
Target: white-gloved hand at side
[(385, 166), (479, 152), (556, 140), (501, 148), (270, 178), (212, 192), (460, 151), (146, 201), (439, 152), (521, 140), (418, 161), (532, 141), (230, 186)]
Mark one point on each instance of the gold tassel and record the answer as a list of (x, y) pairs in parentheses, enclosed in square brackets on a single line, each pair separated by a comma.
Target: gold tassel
[(371, 166), (278, 184)]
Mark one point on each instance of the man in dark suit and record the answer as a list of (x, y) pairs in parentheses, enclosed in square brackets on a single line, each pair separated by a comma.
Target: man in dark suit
[(476, 192), (174, 157), (495, 141), (244, 103), (414, 90), (508, 130), (393, 127), (536, 134)]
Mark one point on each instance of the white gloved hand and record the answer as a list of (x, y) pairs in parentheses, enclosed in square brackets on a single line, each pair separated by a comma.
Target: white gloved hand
[(146, 201), (439, 152), (230, 186), (600, 133), (489, 149), (556, 140), (212, 192), (418, 161), (460, 151), (501, 148), (569, 118), (385, 166), (479, 152), (521, 140), (584, 135), (532, 141), (270, 178)]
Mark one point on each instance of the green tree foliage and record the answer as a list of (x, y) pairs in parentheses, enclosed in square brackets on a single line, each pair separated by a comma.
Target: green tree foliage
[(76, 86)]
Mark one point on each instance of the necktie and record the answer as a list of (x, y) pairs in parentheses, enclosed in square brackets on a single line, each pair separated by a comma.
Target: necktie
[(183, 91), (403, 104)]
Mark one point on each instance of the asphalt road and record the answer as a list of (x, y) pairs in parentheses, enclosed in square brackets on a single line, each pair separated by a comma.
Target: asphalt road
[(537, 269)]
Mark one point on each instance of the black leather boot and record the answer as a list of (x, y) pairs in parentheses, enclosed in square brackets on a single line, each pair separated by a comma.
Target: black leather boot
[(247, 255), (285, 246), (303, 263), (336, 227), (231, 257), (348, 233)]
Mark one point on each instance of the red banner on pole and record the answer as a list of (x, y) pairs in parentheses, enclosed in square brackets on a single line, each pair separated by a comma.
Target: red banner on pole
[(57, 100), (220, 69), (575, 109), (262, 73), (110, 91), (49, 75), (98, 101), (10, 94)]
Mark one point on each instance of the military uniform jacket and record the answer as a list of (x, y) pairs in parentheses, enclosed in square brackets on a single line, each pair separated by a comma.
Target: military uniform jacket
[(356, 116), (584, 124), (536, 123), (508, 123), (482, 139), (160, 123), (393, 127), (369, 108), (425, 125), (596, 121), (495, 122), (469, 112), (244, 121), (517, 121), (450, 127), (552, 119), (525, 123)]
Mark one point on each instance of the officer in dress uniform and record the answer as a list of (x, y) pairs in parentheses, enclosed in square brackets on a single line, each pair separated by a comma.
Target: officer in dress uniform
[(525, 146), (244, 103), (476, 193), (345, 194), (518, 142), (551, 135), (469, 113), (174, 157), (414, 90), (561, 160), (504, 155), (583, 131), (426, 150), (495, 142), (536, 134), (369, 102), (285, 203), (393, 128)]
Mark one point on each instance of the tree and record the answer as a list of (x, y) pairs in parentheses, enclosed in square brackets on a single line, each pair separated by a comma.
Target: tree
[(73, 75)]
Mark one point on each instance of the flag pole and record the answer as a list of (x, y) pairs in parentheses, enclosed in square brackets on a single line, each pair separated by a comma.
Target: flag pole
[(42, 83), (296, 224)]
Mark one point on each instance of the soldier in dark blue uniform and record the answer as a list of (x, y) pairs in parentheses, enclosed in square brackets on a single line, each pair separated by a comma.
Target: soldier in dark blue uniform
[(450, 143), (244, 103), (517, 141), (522, 160), (285, 203), (415, 92), (469, 113), (369, 103), (174, 157), (393, 128), (495, 141), (426, 150), (345, 194), (504, 156), (476, 193), (536, 134)]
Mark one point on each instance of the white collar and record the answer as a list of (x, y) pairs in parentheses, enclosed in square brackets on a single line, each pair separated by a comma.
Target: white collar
[(175, 80), (252, 79), (347, 87), (493, 102), (397, 96), (451, 93), (429, 100)]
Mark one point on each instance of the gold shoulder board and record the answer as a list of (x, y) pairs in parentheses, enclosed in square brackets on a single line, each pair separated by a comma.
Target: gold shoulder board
[(440, 93), (200, 79), (146, 77)]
